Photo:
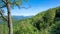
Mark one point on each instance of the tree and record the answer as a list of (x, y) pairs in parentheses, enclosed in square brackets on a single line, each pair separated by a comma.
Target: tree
[(9, 4), (50, 16)]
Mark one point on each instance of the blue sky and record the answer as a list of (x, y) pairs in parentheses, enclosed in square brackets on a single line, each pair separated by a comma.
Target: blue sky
[(36, 7)]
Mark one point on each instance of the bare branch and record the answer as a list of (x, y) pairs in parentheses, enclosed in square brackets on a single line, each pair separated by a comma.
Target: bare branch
[(3, 16)]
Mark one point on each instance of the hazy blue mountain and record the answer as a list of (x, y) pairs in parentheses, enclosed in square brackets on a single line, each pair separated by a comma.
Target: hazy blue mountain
[(20, 17)]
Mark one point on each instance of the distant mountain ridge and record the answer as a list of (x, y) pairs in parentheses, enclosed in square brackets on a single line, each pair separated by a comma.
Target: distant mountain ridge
[(20, 17)]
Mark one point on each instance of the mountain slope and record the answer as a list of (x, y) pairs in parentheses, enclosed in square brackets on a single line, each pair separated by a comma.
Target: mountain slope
[(46, 22)]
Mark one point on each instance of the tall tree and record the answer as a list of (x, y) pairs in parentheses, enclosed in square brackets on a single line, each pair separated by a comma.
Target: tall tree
[(9, 4)]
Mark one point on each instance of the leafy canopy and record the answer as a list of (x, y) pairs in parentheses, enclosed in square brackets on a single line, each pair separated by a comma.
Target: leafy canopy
[(12, 3)]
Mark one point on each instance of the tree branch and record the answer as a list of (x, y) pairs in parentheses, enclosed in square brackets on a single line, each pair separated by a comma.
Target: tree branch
[(2, 6), (3, 16), (4, 1)]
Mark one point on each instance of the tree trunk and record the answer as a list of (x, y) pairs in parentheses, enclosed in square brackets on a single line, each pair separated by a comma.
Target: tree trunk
[(9, 19)]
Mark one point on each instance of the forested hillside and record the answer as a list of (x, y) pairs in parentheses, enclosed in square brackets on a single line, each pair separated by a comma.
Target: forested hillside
[(45, 22)]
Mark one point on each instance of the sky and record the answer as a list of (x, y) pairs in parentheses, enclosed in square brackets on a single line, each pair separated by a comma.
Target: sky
[(36, 6)]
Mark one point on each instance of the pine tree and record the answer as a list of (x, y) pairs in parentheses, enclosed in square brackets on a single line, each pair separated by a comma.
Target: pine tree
[(9, 4)]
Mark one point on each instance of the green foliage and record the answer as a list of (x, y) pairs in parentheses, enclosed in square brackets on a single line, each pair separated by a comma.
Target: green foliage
[(42, 21), (12, 3), (25, 28), (55, 28), (46, 22), (50, 16)]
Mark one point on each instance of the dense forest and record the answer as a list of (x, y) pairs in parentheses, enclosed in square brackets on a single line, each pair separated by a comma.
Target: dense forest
[(45, 22)]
